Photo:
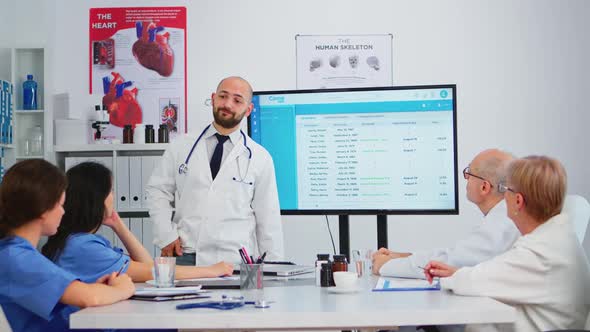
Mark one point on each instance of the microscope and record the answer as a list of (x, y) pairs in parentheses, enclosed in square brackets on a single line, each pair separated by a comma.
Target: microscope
[(100, 122)]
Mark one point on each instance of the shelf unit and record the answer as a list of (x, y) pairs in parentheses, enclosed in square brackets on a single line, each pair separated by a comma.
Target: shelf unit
[(137, 218), (114, 151), (17, 62)]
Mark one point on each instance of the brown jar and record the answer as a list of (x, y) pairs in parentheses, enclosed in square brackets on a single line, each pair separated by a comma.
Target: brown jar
[(128, 134), (340, 263)]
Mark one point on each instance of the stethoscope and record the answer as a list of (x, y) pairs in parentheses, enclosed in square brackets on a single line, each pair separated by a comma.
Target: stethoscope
[(226, 303), (183, 168)]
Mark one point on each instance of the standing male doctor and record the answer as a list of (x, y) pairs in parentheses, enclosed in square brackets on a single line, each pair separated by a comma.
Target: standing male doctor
[(225, 189)]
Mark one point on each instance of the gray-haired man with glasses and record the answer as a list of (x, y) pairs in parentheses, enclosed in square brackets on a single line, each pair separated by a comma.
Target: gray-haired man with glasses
[(494, 236)]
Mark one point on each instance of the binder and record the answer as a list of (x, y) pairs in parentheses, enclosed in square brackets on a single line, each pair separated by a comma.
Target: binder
[(148, 163), (70, 162), (148, 237), (106, 161), (122, 182), (136, 227), (73, 161), (135, 182), (116, 241)]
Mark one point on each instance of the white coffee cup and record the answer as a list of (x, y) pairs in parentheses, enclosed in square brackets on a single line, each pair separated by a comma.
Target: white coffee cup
[(346, 279)]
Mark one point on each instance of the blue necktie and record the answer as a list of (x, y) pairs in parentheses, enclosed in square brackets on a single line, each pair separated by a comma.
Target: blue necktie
[(217, 154)]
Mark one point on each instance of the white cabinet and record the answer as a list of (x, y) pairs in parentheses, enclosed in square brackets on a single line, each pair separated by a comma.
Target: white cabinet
[(132, 165), (15, 64)]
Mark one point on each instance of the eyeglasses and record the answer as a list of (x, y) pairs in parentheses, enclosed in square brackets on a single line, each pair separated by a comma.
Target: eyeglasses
[(467, 173), (502, 188)]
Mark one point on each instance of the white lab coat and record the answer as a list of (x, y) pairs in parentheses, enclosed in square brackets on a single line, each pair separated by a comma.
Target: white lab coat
[(545, 277), (216, 218), (494, 236)]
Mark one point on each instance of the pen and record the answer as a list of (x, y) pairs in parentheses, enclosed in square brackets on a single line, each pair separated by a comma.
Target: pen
[(261, 258), (247, 256), (243, 256), (123, 267)]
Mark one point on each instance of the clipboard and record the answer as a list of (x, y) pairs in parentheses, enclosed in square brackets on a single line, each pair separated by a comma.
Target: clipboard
[(169, 298), (404, 284), (167, 291)]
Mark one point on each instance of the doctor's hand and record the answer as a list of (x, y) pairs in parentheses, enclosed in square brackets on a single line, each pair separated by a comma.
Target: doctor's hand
[(438, 269), (172, 248), (219, 270), (378, 261)]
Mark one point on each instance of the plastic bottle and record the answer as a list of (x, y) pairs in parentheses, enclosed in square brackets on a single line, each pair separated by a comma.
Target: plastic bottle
[(30, 93), (36, 136), (128, 134), (163, 134), (150, 134), (322, 259), (139, 134)]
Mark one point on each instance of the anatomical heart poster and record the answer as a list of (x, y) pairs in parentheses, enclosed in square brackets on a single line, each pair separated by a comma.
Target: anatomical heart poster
[(138, 67), (344, 61)]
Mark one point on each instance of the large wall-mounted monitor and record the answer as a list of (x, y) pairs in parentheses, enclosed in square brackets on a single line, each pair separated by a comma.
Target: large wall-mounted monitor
[(385, 150)]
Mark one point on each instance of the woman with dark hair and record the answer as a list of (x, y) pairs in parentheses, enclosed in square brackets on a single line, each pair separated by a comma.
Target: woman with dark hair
[(35, 294), (76, 248)]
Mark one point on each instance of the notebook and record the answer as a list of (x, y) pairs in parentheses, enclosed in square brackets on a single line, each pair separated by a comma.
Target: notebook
[(168, 293), (211, 283), (283, 270)]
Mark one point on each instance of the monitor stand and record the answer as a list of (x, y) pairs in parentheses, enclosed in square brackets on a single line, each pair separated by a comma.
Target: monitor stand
[(382, 231), (344, 233)]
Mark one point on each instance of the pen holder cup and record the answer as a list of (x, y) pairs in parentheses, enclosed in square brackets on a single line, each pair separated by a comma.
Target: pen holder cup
[(251, 276), (164, 271)]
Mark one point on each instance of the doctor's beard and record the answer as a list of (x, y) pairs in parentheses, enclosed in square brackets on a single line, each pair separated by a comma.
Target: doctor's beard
[(227, 123)]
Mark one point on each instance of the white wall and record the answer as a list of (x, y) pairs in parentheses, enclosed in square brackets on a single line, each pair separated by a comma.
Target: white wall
[(521, 68)]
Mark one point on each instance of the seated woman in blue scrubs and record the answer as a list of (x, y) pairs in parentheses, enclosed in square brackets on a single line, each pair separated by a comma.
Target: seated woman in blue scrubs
[(35, 294), (77, 249)]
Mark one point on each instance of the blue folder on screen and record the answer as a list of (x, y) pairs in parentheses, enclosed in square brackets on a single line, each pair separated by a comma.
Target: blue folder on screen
[(404, 284)]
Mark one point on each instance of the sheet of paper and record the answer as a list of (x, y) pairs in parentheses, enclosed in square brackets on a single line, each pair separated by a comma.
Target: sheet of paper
[(401, 284)]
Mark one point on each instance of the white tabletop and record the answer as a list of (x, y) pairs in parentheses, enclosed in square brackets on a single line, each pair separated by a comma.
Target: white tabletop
[(304, 307)]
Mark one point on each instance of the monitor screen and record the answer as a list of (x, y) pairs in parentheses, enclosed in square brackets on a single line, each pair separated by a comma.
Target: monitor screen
[(385, 150)]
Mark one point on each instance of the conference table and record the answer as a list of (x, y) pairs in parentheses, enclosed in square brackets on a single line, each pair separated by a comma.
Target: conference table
[(300, 305)]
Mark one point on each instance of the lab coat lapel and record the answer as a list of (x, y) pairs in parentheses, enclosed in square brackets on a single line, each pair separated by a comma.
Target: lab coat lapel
[(203, 169), (231, 159)]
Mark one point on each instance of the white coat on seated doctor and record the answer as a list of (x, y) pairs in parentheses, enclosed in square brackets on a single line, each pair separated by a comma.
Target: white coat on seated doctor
[(216, 217)]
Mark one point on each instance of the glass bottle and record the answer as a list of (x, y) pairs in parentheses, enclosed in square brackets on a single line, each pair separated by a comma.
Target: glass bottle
[(340, 263), (149, 134), (322, 259), (128, 134), (326, 277), (163, 135), (36, 137)]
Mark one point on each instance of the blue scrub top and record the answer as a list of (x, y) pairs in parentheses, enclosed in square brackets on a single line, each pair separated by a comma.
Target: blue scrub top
[(30, 288), (90, 256)]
